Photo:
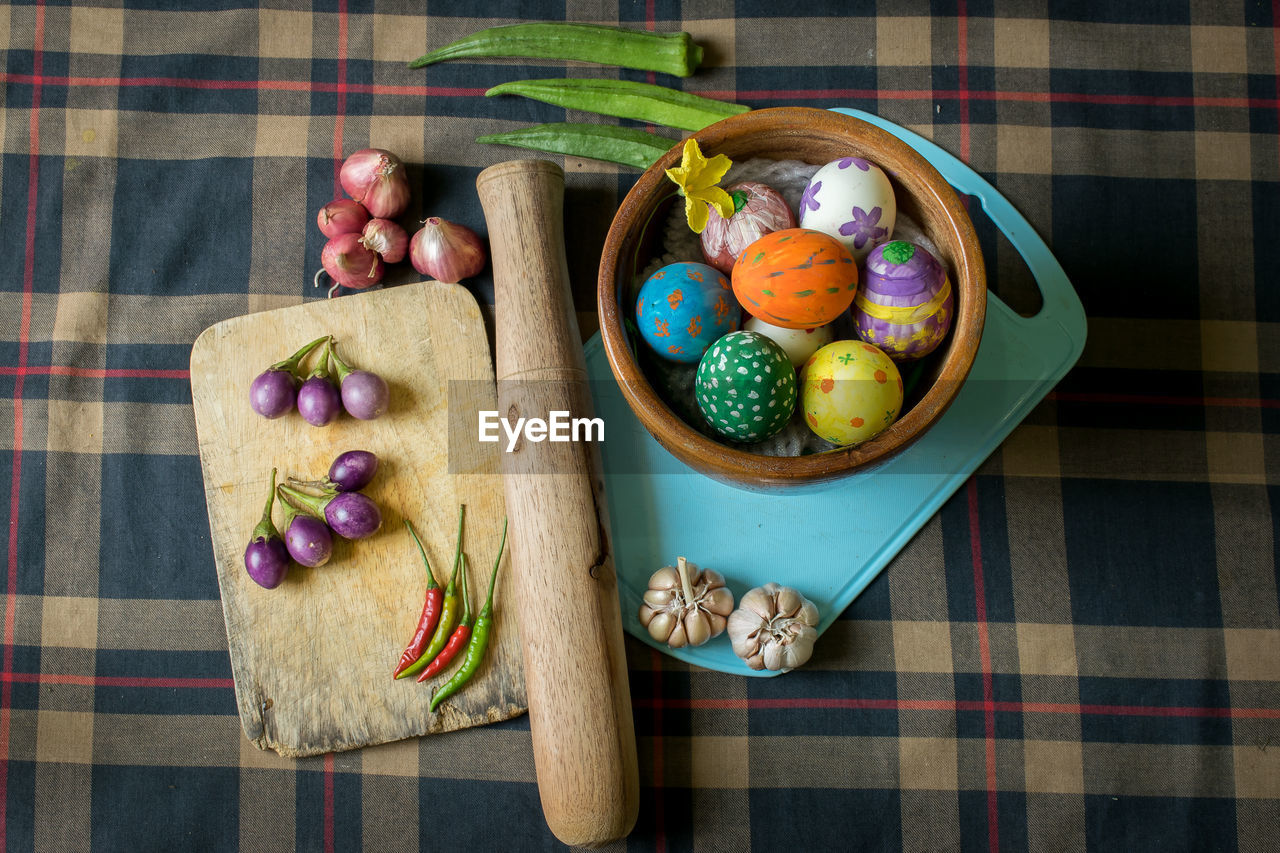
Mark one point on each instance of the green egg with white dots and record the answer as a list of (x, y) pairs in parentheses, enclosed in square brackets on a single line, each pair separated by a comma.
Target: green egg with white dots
[(746, 386)]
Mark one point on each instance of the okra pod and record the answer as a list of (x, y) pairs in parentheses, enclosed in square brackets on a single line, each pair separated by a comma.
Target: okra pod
[(623, 145), (671, 53), (625, 99)]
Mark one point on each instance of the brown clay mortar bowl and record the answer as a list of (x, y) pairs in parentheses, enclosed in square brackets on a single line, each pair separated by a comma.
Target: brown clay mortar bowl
[(816, 137)]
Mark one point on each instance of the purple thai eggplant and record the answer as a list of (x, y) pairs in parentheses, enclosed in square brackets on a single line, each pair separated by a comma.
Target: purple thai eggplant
[(351, 515), (267, 559), (274, 391), (308, 539)]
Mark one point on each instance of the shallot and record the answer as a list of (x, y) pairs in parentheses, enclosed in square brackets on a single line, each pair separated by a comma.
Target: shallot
[(348, 262), (273, 392), (385, 237), (447, 251), (351, 515), (377, 179), (342, 216), (267, 559)]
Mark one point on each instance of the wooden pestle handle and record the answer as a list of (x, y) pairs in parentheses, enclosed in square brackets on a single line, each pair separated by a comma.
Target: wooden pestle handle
[(584, 744)]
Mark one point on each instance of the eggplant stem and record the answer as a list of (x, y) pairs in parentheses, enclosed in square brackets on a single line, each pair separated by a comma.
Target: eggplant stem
[(291, 363), (340, 367), (266, 527), (312, 484), (271, 496), (321, 367), (312, 504)]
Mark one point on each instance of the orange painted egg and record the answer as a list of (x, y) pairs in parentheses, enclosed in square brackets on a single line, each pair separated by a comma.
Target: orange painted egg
[(797, 278)]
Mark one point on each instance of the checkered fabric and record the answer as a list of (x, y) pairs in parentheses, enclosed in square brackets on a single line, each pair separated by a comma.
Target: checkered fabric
[(1081, 650)]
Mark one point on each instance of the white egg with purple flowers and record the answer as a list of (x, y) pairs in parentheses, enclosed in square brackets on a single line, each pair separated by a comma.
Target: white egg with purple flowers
[(852, 200)]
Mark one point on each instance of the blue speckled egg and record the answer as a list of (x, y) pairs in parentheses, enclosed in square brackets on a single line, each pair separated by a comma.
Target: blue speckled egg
[(683, 308)]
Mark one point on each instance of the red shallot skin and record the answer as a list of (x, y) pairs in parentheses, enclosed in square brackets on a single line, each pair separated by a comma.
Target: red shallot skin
[(447, 251), (342, 216), (350, 263), (388, 239), (377, 179), (763, 212)]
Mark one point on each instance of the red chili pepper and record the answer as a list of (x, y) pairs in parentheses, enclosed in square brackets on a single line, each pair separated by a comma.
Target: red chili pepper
[(458, 639), (431, 608)]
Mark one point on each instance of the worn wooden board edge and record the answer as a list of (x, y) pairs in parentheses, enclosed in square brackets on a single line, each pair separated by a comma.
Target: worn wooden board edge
[(497, 691)]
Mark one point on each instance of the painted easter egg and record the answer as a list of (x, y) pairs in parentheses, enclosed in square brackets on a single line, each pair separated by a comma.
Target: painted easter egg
[(796, 278), (852, 200), (851, 391), (798, 344), (757, 210), (683, 308), (746, 387), (905, 303)]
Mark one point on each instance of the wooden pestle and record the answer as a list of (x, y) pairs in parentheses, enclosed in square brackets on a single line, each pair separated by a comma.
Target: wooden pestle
[(584, 744)]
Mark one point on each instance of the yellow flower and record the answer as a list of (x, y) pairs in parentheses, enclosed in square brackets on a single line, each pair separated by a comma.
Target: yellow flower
[(697, 178)]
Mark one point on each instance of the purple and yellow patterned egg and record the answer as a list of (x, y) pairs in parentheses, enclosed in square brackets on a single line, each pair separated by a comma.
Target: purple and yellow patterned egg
[(683, 308), (905, 304)]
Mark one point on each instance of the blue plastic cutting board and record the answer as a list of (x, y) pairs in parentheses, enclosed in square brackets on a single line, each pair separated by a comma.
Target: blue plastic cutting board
[(831, 542)]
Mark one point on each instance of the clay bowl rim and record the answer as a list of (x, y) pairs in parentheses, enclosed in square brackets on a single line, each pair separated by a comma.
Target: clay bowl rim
[(908, 170)]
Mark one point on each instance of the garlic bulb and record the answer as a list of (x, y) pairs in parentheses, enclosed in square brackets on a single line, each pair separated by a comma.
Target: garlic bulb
[(774, 628), (685, 605)]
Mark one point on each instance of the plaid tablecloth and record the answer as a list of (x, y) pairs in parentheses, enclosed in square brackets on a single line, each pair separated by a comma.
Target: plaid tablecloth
[(1080, 650)]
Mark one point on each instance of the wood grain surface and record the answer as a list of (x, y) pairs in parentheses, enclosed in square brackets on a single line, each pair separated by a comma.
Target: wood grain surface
[(312, 659), (580, 717)]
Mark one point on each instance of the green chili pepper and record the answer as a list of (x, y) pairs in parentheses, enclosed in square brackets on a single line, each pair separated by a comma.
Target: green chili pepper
[(623, 145), (671, 53), (448, 614), (624, 99), (479, 637)]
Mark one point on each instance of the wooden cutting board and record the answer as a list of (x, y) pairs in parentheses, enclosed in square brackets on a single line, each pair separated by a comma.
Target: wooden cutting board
[(312, 659)]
